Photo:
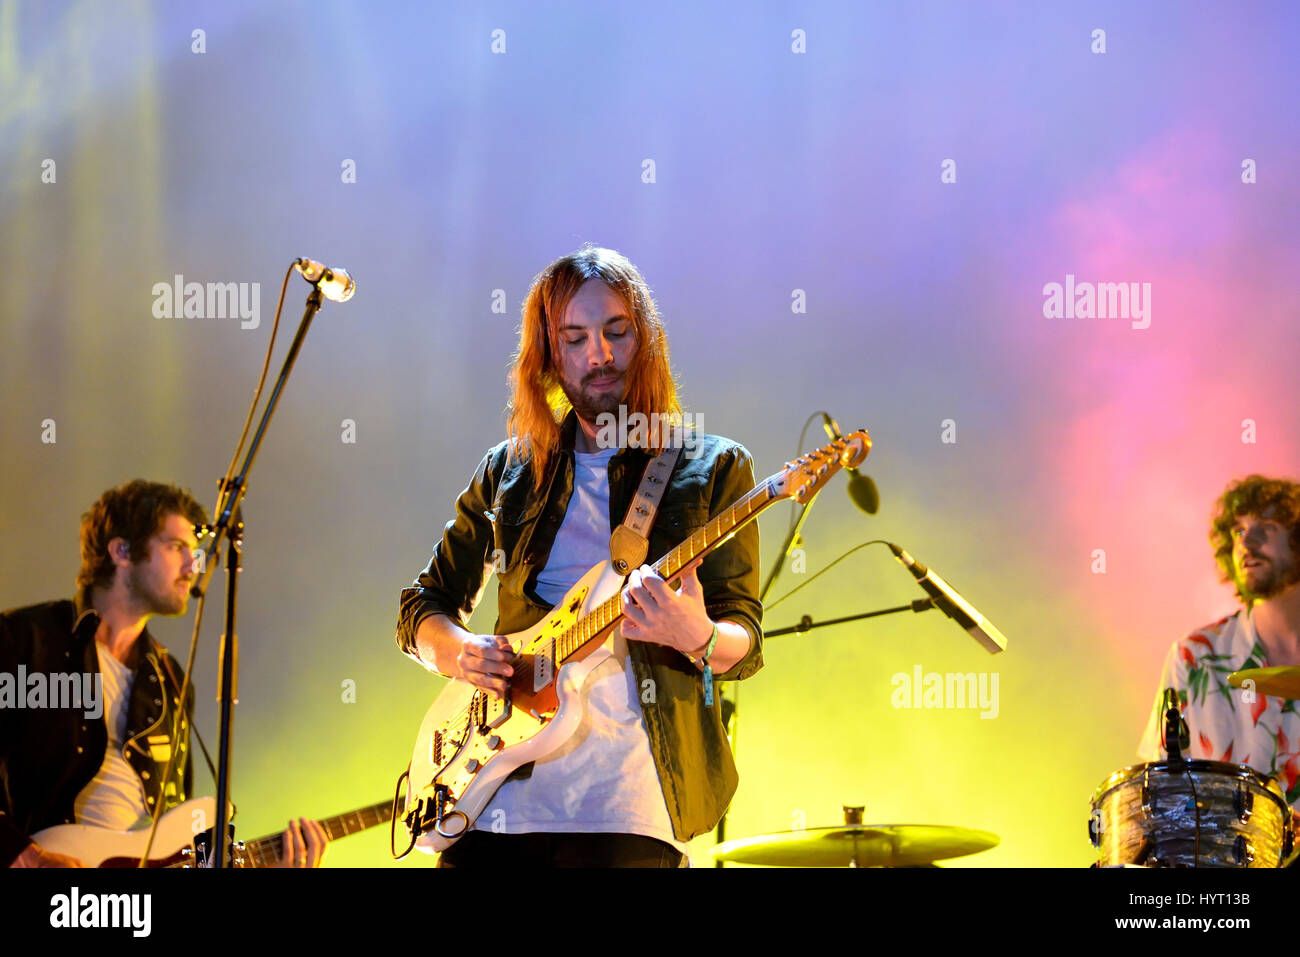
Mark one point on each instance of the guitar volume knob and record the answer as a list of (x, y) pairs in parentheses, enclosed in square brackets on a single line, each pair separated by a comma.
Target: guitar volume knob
[(472, 765), (494, 741)]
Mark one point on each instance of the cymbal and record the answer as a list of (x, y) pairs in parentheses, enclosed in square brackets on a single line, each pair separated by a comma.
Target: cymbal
[(1282, 681), (888, 845)]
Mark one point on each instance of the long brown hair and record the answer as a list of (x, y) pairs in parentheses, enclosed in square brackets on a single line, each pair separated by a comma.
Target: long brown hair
[(538, 404)]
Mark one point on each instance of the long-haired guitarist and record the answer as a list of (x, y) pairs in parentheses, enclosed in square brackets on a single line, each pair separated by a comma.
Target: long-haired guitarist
[(649, 767), (88, 699)]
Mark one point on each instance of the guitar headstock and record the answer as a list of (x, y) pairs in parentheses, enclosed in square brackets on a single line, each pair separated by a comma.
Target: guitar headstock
[(804, 477), (201, 851)]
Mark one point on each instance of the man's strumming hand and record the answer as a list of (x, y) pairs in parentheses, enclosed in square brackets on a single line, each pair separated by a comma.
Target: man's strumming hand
[(485, 662)]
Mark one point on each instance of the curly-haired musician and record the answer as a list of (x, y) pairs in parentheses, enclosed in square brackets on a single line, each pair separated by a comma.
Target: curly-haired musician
[(1255, 533)]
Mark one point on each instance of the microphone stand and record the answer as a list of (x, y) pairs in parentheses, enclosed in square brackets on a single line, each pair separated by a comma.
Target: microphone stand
[(807, 624), (730, 706), (230, 525)]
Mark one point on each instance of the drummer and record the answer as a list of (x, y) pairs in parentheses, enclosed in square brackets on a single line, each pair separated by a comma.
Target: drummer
[(1255, 533)]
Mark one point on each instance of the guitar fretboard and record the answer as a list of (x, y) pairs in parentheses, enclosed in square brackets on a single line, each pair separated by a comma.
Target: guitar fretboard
[(266, 851), (700, 542)]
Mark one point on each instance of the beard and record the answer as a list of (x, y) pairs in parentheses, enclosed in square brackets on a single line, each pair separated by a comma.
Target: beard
[(1272, 580), (150, 599), (591, 404)]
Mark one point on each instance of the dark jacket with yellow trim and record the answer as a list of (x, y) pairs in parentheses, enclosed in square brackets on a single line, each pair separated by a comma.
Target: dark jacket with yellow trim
[(501, 510), (48, 755)]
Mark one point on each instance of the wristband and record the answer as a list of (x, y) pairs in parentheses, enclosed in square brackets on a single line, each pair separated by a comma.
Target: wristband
[(708, 669)]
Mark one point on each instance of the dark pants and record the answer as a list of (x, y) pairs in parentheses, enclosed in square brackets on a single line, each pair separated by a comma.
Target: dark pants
[(486, 849)]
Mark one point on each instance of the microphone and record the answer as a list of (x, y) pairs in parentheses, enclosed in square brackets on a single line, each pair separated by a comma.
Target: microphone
[(1177, 737), (952, 604), (862, 490), (334, 284)]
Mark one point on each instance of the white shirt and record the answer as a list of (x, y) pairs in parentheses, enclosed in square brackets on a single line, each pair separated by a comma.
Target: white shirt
[(1224, 724), (603, 779), (114, 797)]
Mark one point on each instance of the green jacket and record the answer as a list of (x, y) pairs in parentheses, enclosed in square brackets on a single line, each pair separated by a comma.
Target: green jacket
[(500, 510)]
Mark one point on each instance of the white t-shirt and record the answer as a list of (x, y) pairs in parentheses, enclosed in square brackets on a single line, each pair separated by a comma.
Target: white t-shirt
[(114, 797), (603, 779), (1224, 724)]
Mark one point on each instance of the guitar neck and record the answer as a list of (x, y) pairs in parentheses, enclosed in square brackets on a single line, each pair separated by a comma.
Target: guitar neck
[(267, 851), (702, 541)]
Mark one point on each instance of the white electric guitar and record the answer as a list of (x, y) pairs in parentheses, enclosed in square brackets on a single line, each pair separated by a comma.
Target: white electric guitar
[(471, 740), (184, 836)]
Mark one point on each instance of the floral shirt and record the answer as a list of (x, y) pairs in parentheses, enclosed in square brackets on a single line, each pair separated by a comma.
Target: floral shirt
[(1225, 724)]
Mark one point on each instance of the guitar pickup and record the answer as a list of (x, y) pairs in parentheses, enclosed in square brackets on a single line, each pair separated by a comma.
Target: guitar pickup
[(498, 712), (544, 667)]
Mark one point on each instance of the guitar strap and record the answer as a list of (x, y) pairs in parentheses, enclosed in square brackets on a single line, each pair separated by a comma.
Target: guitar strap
[(630, 543)]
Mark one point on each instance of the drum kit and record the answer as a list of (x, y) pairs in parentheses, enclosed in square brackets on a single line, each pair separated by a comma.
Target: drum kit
[(1179, 812), (1193, 813)]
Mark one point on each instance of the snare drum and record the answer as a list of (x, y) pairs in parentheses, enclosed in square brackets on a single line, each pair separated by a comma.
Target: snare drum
[(1190, 814)]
